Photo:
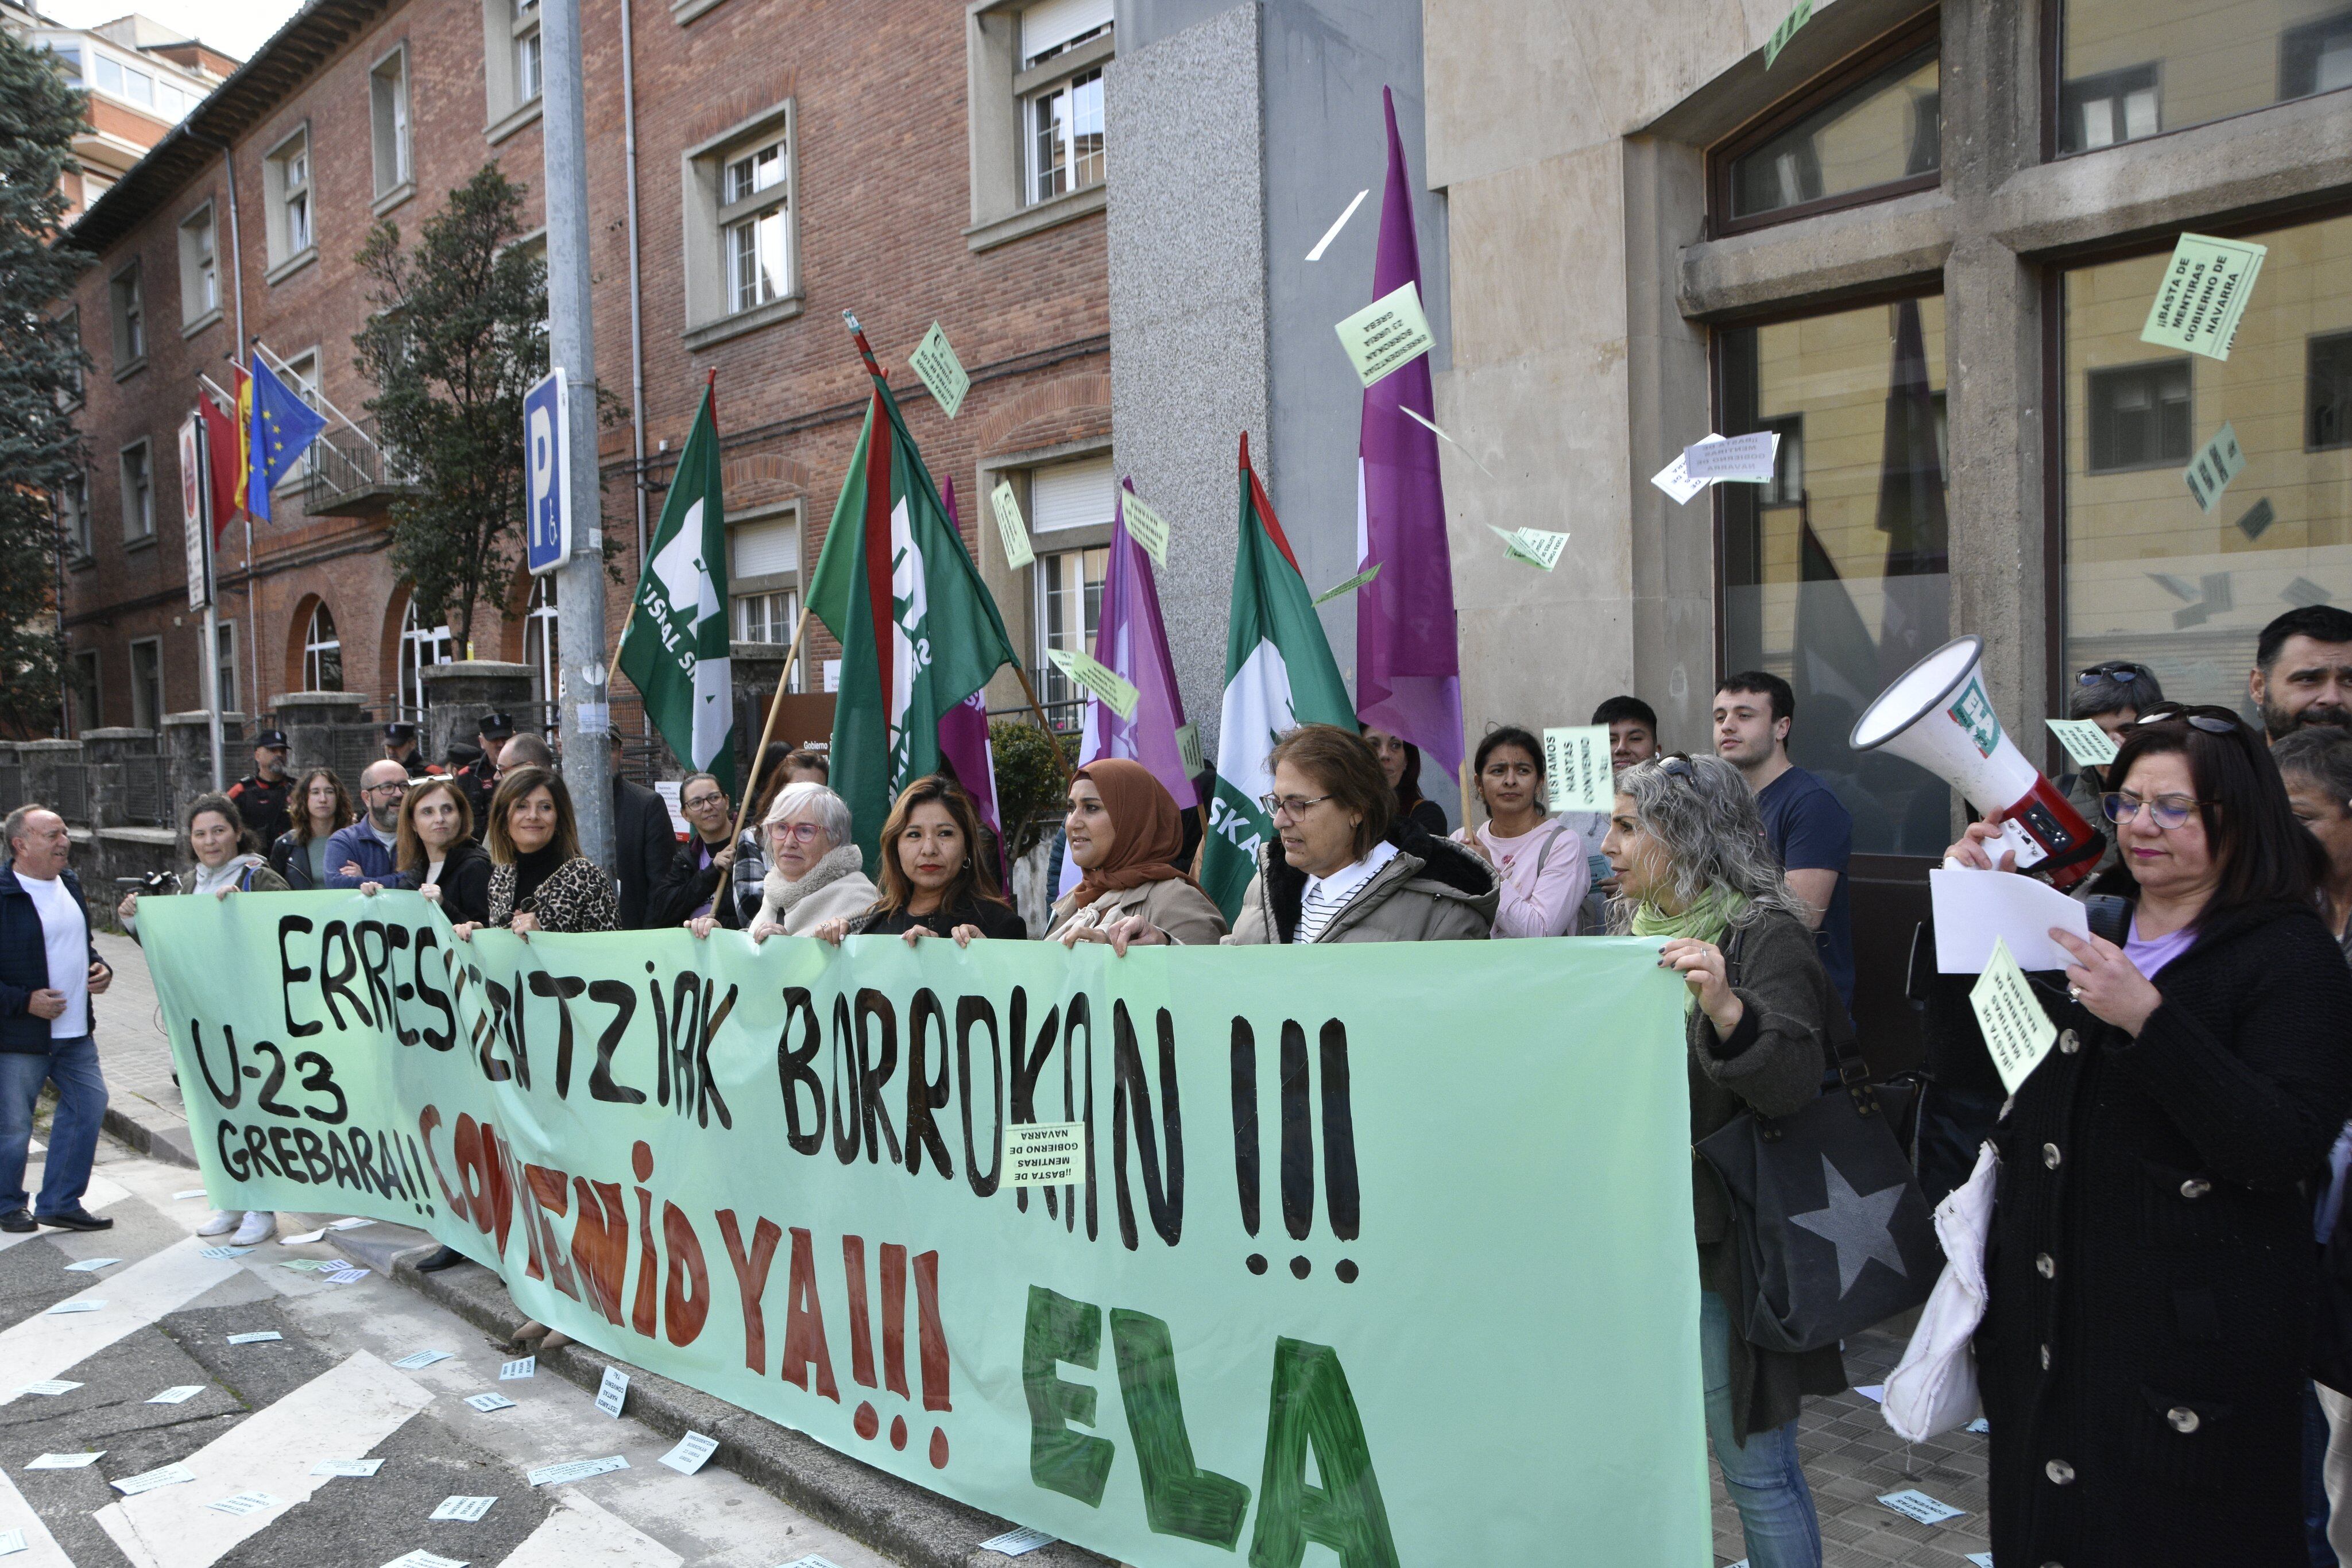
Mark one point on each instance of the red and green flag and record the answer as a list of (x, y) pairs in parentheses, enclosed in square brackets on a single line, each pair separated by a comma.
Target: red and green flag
[(917, 630)]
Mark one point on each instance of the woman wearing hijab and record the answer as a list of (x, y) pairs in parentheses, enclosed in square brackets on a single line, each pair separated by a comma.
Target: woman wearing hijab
[(1124, 833)]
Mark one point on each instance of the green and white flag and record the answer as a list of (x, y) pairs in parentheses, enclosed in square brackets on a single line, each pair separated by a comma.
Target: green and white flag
[(1279, 673), (675, 647), (917, 630)]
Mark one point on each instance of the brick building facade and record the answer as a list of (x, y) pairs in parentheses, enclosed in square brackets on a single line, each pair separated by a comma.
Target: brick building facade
[(791, 159)]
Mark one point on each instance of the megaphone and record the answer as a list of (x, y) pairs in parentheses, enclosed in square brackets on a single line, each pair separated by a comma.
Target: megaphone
[(1938, 714)]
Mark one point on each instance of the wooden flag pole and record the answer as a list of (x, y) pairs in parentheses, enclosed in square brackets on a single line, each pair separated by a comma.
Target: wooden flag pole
[(751, 785)]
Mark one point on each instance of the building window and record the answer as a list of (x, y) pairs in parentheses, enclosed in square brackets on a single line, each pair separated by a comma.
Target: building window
[(530, 63), (766, 617), (77, 392), (741, 212), (1069, 607), (764, 567), (1871, 130), (419, 649), (67, 58), (1065, 137), (2327, 397), (2130, 68), (754, 226), (388, 122), (286, 176), (199, 269), (2138, 416), (137, 493), (224, 674), (514, 64), (147, 682), (2150, 574), (1033, 79), (1845, 584), (323, 653), (82, 690), (73, 517), (541, 644), (126, 299), (1077, 495)]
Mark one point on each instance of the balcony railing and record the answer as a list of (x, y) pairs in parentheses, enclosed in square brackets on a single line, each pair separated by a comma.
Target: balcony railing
[(348, 473)]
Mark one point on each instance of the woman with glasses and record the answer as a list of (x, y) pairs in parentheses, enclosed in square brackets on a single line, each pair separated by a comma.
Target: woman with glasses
[(1537, 858), (2115, 696), (935, 879), (1687, 847), (698, 882), (815, 873), (1342, 866), (2151, 1273)]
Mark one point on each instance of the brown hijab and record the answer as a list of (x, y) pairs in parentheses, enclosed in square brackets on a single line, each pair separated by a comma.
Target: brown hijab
[(1149, 830)]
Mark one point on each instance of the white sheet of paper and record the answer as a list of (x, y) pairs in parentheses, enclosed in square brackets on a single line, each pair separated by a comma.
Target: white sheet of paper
[(186, 1192), (1981, 1559), (1873, 1392), (51, 1387), (260, 1336), (244, 1502), (1045, 1154), (225, 1253), (64, 1462), (1576, 770), (1973, 908), (305, 1238), (1912, 1504), (692, 1451), (811, 1560), (11, 1543), (2017, 1030), (169, 1475), (1674, 478), (179, 1394), (1980, 1426), (346, 1466), (486, 1403), (1333, 232), (467, 1508), (344, 1276), (91, 1265), (64, 1308), (1747, 458), (354, 1223), (2085, 741), (1014, 1542), (612, 1391), (575, 1471), (422, 1358), (510, 1370), (420, 1558)]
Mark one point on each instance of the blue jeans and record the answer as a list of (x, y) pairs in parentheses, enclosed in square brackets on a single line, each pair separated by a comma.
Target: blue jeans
[(1764, 1478), (72, 1065)]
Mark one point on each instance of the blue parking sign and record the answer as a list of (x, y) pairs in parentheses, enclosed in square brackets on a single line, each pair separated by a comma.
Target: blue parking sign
[(547, 475)]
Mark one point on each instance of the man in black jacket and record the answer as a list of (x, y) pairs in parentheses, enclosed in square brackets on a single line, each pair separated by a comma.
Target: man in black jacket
[(642, 844)]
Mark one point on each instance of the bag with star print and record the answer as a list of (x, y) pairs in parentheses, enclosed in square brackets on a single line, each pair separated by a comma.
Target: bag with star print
[(1832, 1232)]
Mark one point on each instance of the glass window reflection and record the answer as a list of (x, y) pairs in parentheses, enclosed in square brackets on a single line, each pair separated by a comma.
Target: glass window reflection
[(1885, 129), (2130, 68)]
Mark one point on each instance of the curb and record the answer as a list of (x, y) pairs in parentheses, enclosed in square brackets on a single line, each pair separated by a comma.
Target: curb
[(918, 1527), (171, 1146)]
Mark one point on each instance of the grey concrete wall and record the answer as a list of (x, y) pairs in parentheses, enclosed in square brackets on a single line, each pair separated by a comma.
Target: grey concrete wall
[(1188, 308)]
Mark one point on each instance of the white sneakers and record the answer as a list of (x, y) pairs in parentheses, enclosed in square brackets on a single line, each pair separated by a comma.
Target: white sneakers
[(259, 1224), (220, 1222)]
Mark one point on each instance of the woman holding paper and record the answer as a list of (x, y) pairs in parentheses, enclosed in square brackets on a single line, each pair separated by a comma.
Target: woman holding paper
[(816, 872), (1688, 851), (1538, 859), (1124, 832), (2151, 1271), (539, 879)]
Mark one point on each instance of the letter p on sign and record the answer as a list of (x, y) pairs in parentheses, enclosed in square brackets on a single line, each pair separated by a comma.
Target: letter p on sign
[(547, 475)]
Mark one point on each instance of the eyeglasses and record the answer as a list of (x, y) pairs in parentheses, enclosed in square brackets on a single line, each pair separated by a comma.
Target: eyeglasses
[(394, 788), (1292, 806), (2122, 671), (798, 832), (2169, 811), (711, 798)]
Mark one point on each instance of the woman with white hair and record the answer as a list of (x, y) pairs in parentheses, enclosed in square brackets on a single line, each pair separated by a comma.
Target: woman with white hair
[(1688, 851), (815, 872)]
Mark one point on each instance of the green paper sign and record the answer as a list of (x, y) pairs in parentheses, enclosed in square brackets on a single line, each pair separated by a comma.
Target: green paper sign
[(2085, 741), (1188, 747), (1537, 547), (2211, 472), (935, 363), (1576, 770), (1353, 583), (1096, 677), (1389, 333), (1146, 527), (2203, 294), (1266, 1328), (1009, 526), (1796, 18)]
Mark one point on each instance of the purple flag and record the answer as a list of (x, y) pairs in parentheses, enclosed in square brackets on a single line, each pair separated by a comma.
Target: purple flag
[(1408, 670), (963, 738)]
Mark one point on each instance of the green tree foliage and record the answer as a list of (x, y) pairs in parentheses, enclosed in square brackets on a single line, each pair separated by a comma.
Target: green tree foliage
[(41, 363), (1031, 787), (459, 337)]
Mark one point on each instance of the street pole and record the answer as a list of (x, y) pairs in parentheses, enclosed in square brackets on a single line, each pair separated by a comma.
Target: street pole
[(585, 718)]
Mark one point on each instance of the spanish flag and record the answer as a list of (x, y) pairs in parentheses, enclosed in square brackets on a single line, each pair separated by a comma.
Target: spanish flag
[(244, 467)]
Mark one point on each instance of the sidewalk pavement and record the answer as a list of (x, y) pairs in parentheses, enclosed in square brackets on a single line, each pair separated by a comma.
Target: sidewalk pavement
[(1851, 1458)]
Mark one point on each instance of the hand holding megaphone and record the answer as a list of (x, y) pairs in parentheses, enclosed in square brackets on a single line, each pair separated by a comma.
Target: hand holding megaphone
[(1939, 714)]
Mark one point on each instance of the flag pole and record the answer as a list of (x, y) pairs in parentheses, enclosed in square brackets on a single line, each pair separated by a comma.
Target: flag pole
[(751, 785), (865, 352)]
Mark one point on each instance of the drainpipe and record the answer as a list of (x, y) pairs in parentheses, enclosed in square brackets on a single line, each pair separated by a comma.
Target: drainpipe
[(636, 325), (236, 301)]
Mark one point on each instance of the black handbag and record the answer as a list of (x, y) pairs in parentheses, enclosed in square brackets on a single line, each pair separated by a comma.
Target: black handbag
[(1830, 1228)]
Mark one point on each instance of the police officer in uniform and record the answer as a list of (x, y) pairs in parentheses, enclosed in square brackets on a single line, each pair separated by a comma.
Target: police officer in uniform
[(479, 780), (262, 794), (400, 745)]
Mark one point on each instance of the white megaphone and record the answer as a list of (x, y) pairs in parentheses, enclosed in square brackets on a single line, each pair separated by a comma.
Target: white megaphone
[(1937, 714)]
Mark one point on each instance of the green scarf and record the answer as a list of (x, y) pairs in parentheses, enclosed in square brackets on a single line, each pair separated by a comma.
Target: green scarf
[(1704, 921)]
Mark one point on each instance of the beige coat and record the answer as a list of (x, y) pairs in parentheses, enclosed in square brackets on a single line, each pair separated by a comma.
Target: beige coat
[(1433, 891), (1175, 907), (836, 887)]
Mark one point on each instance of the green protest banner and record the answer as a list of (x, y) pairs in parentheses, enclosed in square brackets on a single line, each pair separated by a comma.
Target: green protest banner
[(1386, 1248)]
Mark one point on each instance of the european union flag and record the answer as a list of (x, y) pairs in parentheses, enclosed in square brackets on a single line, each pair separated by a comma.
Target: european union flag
[(283, 428)]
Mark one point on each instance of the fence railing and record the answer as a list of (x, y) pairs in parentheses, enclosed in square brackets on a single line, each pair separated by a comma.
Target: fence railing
[(345, 466), (144, 799), (71, 791)]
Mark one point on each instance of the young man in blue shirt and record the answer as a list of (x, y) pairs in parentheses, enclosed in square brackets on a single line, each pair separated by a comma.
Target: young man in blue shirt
[(1805, 824)]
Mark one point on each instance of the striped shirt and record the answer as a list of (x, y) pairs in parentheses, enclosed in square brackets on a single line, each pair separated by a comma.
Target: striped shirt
[(1326, 896)]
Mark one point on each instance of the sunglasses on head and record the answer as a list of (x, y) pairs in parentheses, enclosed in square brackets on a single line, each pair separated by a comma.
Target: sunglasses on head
[(1677, 765), (2122, 671), (2211, 719)]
